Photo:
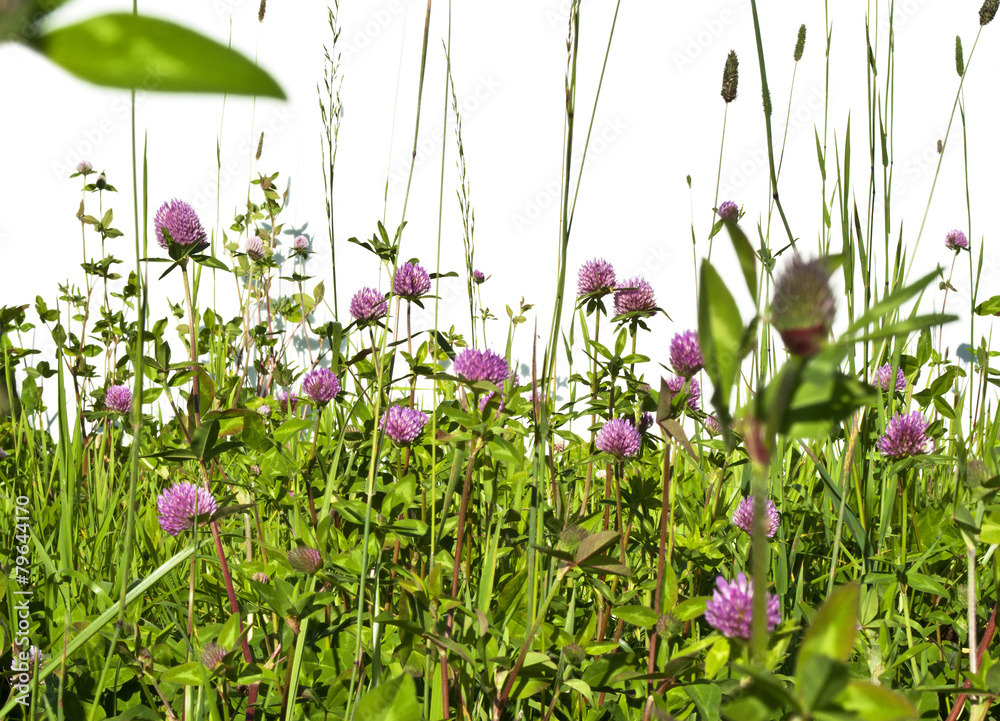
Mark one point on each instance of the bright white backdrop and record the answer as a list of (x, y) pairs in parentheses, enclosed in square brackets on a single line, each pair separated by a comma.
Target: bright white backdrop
[(659, 119)]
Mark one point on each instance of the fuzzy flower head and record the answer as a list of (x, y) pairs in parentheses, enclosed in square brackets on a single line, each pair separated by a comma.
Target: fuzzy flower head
[(403, 424), (905, 435), (713, 426), (305, 559), (301, 243), (956, 240), (619, 438), (255, 248), (213, 654), (728, 210), (411, 281), (803, 306), (883, 378), (730, 610), (84, 168), (596, 276), (3, 454), (181, 504), (676, 385), (322, 385), (261, 577), (118, 399), (26, 660), (478, 277), (645, 422), (368, 304), (287, 401), (743, 517), (685, 354), (486, 399), (180, 222), (635, 294), (481, 365)]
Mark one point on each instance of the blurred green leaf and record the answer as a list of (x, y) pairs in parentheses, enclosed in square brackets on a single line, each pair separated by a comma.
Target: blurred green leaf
[(720, 330), (831, 632), (876, 703), (122, 50), (395, 700)]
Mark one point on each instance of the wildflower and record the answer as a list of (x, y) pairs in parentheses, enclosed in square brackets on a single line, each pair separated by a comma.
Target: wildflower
[(619, 438), (403, 424), (368, 304), (883, 378), (84, 168), (956, 240), (411, 281), (181, 504), (26, 660), (261, 577), (728, 210), (743, 517), (905, 435), (481, 365), (255, 247), (178, 220), (596, 276), (264, 411), (685, 354), (213, 655), (803, 307), (645, 422), (118, 399), (300, 243), (254, 469), (287, 401), (305, 559), (635, 294), (730, 610), (322, 385), (730, 77), (713, 426), (478, 277), (677, 384), (101, 182), (486, 399)]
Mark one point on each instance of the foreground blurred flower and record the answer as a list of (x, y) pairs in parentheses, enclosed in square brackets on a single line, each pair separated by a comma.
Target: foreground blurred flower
[(213, 654), (403, 424), (261, 577), (712, 425), (118, 399), (322, 385), (368, 304), (305, 559), (676, 385), (596, 276), (619, 438), (411, 281), (481, 365), (743, 517), (635, 294), (3, 454), (730, 610), (728, 210), (255, 247), (905, 435), (645, 422), (956, 240), (883, 378), (26, 660), (287, 401), (181, 504), (180, 222), (803, 307), (685, 354)]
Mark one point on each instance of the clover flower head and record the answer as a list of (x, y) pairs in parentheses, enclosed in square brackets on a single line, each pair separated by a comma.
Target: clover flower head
[(180, 505), (287, 400), (676, 384), (685, 354), (905, 435), (883, 378), (730, 610), (486, 399), (411, 281), (255, 247), (84, 168), (261, 577), (474, 365), (118, 399), (300, 243), (645, 422), (728, 210), (956, 240), (368, 304), (743, 517), (634, 295), (213, 654), (596, 276), (712, 425), (180, 221), (478, 277), (619, 438), (322, 385), (305, 559), (403, 424), (803, 306)]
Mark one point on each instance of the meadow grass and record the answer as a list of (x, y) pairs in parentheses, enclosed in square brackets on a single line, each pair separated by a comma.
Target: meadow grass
[(395, 523)]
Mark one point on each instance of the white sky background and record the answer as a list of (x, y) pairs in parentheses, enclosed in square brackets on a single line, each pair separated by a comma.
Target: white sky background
[(659, 119)]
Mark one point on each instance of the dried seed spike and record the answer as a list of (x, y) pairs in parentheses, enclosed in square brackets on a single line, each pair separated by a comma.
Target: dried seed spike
[(959, 56), (263, 9), (260, 144), (988, 11), (800, 43), (730, 77)]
